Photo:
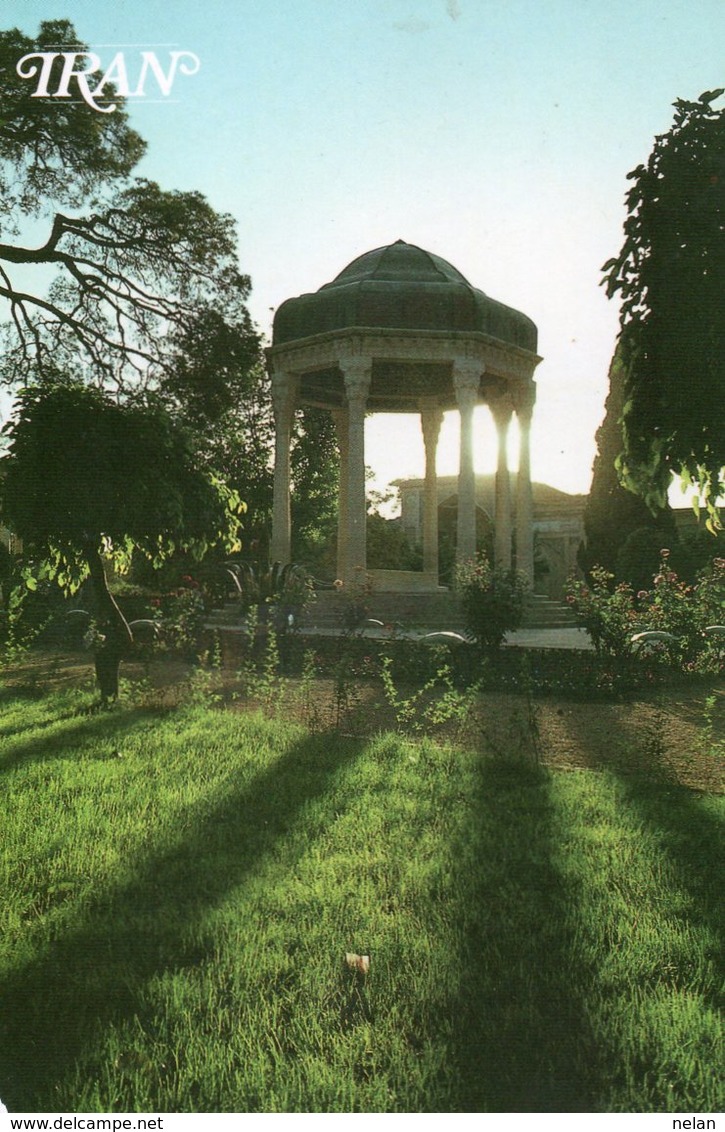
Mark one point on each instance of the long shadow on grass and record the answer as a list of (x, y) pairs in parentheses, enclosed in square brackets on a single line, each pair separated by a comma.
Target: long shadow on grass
[(36, 704), (689, 832), (53, 1005), (523, 1043), (71, 731)]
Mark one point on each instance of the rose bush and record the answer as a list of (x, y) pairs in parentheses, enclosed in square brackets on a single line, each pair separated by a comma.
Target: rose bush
[(180, 616), (614, 614), (492, 600)]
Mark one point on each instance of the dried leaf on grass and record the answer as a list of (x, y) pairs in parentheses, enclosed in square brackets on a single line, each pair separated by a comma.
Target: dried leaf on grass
[(359, 963)]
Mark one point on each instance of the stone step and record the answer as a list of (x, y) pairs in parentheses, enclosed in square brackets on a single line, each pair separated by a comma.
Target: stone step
[(424, 611), (228, 614), (546, 613), (434, 611)]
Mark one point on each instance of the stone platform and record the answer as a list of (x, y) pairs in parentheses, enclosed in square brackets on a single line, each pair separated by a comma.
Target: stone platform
[(428, 611), (547, 624)]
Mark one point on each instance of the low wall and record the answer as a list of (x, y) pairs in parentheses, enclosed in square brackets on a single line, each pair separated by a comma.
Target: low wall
[(404, 581)]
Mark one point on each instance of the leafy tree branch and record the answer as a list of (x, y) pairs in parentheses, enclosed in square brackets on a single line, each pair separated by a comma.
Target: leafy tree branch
[(118, 287), (670, 279)]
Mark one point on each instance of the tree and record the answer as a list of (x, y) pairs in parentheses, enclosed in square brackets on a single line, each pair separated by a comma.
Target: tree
[(233, 433), (142, 275), (230, 419), (315, 470), (88, 481), (55, 150), (670, 275), (612, 513), (147, 294)]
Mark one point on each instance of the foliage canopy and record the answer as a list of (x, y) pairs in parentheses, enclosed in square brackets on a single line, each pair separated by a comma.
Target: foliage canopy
[(670, 276), (139, 280), (612, 514), (83, 470), (88, 480)]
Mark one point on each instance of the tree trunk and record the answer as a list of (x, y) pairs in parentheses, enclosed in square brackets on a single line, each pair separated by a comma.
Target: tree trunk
[(112, 625)]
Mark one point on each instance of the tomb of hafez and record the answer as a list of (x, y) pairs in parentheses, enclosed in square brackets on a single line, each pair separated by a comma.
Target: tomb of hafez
[(400, 330)]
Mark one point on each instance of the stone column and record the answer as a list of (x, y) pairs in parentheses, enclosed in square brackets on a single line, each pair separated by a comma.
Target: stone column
[(356, 375), (431, 417), (339, 416), (524, 504), (466, 381), (502, 411), (284, 391)]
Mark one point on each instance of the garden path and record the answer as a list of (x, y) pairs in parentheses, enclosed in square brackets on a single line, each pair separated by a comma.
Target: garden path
[(564, 638)]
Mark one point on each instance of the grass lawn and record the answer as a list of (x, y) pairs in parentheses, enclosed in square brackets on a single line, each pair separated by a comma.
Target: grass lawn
[(179, 890)]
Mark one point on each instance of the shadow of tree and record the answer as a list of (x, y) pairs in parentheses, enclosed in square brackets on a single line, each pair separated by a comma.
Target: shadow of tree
[(689, 833), (522, 1042), (521, 1039), (661, 738), (65, 733), (53, 1005)]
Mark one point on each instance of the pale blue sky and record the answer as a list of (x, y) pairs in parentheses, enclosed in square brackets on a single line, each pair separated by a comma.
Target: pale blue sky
[(497, 135)]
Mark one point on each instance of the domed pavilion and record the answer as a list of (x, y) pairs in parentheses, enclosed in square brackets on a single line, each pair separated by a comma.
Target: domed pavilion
[(400, 330)]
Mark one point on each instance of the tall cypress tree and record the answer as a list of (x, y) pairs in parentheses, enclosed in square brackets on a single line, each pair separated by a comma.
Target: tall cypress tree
[(612, 513)]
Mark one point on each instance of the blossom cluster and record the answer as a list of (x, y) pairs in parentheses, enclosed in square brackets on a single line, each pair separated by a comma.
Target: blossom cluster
[(614, 614)]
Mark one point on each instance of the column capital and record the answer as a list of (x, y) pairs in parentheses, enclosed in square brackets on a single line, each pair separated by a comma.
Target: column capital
[(282, 379), (467, 374), (524, 399), (356, 375), (431, 418), (502, 408), (284, 390)]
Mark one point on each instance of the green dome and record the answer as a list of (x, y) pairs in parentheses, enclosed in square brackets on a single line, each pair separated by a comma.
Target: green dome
[(401, 287)]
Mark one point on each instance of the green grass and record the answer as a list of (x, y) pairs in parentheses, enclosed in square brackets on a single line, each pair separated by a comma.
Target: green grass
[(179, 891)]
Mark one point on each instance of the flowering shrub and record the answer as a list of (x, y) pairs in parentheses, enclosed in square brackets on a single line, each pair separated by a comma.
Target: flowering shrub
[(711, 592), (614, 614), (492, 600), (180, 615), (671, 606), (608, 614), (355, 607)]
